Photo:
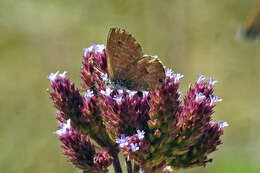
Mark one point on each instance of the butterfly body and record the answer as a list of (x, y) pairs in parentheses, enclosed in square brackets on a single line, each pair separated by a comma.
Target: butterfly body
[(128, 67)]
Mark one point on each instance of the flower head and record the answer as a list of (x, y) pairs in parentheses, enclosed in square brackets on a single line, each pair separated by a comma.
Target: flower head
[(156, 129)]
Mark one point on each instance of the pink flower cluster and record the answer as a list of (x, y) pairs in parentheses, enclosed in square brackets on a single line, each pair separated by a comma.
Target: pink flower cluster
[(158, 130)]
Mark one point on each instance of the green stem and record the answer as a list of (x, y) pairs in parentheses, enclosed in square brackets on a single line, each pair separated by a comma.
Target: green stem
[(116, 164), (136, 168), (128, 166)]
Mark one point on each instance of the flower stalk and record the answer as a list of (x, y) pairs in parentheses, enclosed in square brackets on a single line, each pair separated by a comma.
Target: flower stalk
[(128, 166)]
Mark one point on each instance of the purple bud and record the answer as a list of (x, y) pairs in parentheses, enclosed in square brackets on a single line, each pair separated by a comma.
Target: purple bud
[(66, 98), (78, 148), (102, 161)]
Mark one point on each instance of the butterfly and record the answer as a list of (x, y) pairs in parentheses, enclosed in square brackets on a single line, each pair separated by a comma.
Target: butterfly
[(128, 67), (253, 26)]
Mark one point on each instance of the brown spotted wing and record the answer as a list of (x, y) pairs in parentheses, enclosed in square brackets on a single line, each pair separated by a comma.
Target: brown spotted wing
[(128, 67)]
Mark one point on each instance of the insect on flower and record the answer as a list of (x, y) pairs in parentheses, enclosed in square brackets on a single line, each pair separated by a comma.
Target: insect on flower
[(128, 67), (143, 118)]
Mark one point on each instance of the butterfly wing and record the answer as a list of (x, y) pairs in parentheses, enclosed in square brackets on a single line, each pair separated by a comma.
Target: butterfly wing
[(122, 49), (146, 74)]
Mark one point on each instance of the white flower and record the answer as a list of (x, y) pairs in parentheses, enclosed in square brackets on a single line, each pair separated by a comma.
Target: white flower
[(118, 97), (107, 92), (200, 77), (177, 76), (223, 124), (140, 134), (65, 127), (214, 99), (134, 147), (63, 75), (88, 94), (120, 91), (169, 72), (180, 95), (53, 76), (199, 96), (104, 76), (211, 81), (145, 93), (131, 93), (123, 141), (96, 48)]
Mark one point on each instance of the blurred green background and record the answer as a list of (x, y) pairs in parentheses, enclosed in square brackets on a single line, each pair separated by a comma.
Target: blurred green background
[(191, 36)]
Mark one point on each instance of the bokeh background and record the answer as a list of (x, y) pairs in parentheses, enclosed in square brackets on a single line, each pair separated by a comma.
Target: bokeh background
[(192, 36)]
